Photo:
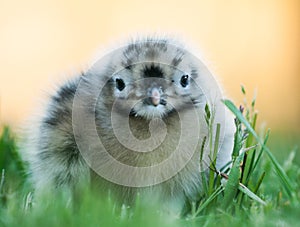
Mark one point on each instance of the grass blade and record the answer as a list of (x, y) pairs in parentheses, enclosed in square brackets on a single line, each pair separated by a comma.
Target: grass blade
[(209, 199), (259, 182), (213, 161), (233, 182), (262, 149), (249, 167), (246, 191), (202, 172), (286, 182)]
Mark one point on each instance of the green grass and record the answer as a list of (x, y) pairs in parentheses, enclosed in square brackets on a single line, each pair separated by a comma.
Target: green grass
[(261, 189)]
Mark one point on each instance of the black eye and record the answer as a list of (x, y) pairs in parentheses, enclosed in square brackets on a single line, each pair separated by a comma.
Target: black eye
[(184, 81), (120, 85)]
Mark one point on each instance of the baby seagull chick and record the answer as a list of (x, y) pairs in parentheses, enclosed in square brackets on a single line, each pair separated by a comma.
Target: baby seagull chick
[(135, 122)]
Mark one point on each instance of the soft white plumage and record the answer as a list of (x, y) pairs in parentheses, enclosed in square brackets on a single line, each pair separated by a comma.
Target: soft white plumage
[(146, 99)]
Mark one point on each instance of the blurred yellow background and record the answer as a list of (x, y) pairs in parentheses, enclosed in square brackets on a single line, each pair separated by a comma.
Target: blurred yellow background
[(255, 43)]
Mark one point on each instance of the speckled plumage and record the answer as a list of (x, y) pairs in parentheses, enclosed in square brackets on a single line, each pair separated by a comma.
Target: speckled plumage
[(146, 74)]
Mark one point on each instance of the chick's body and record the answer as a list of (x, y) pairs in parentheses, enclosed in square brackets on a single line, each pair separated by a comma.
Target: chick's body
[(135, 122)]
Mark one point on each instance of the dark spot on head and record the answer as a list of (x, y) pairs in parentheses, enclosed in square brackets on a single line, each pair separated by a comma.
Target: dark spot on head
[(153, 71), (127, 64), (176, 61), (178, 58), (151, 53), (161, 44), (194, 73), (130, 48)]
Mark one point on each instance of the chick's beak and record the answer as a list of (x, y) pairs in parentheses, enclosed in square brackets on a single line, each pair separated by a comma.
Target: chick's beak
[(155, 96)]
